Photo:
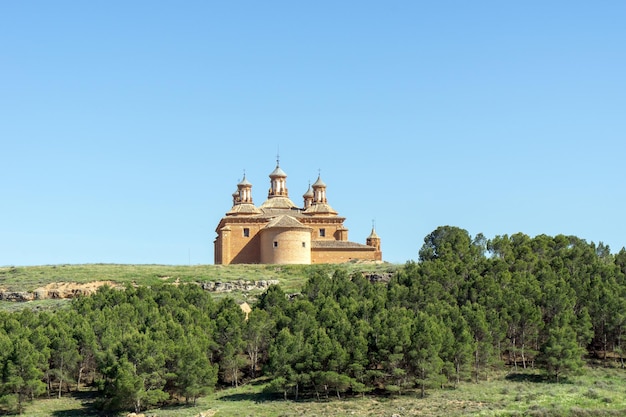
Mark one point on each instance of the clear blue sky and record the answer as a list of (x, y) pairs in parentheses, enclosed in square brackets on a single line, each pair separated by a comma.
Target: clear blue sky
[(126, 125)]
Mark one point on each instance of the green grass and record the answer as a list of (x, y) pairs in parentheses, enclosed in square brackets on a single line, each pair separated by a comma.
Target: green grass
[(290, 277), (36, 305), (599, 392)]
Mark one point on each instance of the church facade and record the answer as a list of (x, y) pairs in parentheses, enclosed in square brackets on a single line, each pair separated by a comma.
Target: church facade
[(280, 232)]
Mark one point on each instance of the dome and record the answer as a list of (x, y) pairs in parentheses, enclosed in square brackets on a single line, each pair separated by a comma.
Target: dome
[(245, 208), (245, 182), (320, 208), (319, 182), (278, 172), (309, 193), (278, 203)]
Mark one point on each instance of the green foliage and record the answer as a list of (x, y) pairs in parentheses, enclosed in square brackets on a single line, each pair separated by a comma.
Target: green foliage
[(469, 308), (561, 354)]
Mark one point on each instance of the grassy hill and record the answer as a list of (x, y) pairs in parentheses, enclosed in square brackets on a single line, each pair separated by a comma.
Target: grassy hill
[(290, 277)]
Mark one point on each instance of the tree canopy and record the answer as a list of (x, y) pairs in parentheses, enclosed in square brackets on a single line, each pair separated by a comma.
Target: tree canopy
[(469, 306)]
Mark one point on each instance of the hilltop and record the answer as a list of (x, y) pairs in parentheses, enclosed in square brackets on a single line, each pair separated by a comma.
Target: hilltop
[(48, 285)]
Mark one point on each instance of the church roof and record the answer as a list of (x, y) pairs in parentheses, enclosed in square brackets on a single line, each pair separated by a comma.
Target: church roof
[(320, 208), (309, 193), (278, 203), (285, 222), (319, 182), (244, 209), (338, 244), (244, 181), (278, 172), (373, 235)]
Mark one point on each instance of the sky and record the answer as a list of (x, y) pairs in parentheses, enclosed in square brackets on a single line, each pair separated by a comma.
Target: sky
[(125, 126)]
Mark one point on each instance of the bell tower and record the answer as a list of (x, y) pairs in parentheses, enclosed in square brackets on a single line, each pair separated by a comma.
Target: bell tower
[(243, 195), (373, 240), (308, 197), (278, 182), (319, 191)]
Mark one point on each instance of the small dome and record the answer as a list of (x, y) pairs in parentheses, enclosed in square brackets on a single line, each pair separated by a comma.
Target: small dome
[(244, 181), (245, 208), (309, 193), (319, 182), (278, 173), (320, 208), (278, 203)]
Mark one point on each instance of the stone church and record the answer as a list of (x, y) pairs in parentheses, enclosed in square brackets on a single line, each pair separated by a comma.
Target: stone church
[(280, 232)]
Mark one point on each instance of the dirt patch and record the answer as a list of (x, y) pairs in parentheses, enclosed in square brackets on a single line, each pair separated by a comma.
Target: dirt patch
[(69, 289)]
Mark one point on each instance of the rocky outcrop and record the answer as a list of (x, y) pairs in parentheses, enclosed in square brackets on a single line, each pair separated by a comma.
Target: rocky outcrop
[(378, 276), (62, 290), (16, 296), (57, 290), (239, 285)]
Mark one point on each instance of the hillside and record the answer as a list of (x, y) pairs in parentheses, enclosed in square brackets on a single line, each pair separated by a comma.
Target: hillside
[(48, 285), (526, 310)]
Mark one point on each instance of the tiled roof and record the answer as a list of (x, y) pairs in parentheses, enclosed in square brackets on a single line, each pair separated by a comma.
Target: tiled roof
[(320, 208), (244, 181), (337, 244), (319, 182), (286, 222), (244, 209), (278, 203), (278, 173)]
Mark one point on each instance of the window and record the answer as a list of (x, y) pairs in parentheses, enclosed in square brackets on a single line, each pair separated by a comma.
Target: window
[(304, 244), (275, 244), (246, 232), (322, 232)]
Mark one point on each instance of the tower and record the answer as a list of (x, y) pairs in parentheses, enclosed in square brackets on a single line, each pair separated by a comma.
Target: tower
[(319, 191), (243, 195), (374, 241), (278, 194), (308, 197), (278, 183)]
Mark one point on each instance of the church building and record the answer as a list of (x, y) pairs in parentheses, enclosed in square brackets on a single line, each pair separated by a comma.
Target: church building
[(280, 232)]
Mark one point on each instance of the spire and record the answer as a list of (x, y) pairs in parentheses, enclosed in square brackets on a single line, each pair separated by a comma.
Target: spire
[(244, 181), (308, 197), (243, 195), (242, 199), (278, 195), (373, 234), (373, 239), (319, 205), (319, 190), (278, 182)]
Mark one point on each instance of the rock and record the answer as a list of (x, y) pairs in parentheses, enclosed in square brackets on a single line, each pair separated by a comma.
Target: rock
[(378, 277), (40, 294), (16, 296), (61, 290), (239, 285), (55, 290)]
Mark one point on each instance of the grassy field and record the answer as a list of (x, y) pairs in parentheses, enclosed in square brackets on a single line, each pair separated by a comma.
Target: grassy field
[(290, 277), (600, 392)]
